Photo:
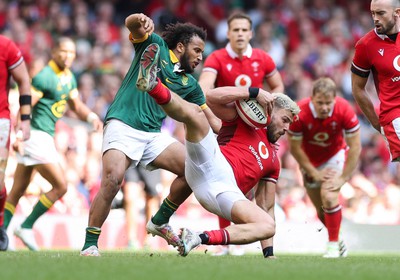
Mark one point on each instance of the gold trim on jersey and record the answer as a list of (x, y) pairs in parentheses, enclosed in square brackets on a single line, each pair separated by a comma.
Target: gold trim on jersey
[(140, 40), (204, 106), (36, 92), (173, 57)]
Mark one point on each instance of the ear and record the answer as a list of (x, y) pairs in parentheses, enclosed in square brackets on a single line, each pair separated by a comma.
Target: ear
[(180, 48)]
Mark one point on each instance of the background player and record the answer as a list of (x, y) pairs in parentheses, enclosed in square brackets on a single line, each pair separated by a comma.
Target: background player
[(325, 141), (377, 52), (53, 88)]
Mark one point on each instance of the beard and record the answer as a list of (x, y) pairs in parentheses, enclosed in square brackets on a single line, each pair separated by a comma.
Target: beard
[(185, 64), (271, 133), (385, 29)]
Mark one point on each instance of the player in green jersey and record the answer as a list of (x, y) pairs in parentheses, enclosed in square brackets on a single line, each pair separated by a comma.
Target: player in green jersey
[(53, 88), (132, 132)]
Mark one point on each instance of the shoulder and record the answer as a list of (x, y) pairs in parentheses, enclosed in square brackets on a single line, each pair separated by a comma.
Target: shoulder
[(371, 36)]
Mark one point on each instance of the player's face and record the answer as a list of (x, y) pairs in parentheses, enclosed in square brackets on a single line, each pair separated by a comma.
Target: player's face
[(323, 104), (64, 55), (384, 16), (193, 54), (239, 34), (280, 122)]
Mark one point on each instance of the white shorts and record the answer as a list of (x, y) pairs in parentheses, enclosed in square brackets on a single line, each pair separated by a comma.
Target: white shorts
[(140, 146), (211, 177), (5, 128), (336, 163), (38, 149)]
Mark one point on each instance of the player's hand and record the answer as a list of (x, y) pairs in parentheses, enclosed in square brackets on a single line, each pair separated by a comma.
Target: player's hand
[(147, 23), (25, 128), (18, 145), (334, 184), (266, 99), (97, 125)]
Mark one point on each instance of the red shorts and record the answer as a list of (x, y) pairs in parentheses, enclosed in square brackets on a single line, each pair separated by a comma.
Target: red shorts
[(392, 134)]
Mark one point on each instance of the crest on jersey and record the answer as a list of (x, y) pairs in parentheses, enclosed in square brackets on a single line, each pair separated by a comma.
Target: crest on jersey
[(262, 150), (243, 81)]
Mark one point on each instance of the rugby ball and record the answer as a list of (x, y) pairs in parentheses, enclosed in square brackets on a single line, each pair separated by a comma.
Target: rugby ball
[(252, 112)]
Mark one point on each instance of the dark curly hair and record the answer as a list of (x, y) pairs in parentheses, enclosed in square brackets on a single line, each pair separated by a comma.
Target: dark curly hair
[(183, 33)]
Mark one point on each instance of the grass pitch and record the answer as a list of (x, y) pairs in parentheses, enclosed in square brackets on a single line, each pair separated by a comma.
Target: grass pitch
[(67, 265)]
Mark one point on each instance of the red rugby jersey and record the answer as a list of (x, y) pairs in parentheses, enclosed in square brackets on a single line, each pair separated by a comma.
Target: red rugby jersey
[(10, 57), (251, 70), (249, 153), (380, 55), (323, 138)]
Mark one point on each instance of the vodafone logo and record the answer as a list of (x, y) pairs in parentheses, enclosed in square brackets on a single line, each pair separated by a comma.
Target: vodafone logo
[(262, 150), (396, 63), (243, 81)]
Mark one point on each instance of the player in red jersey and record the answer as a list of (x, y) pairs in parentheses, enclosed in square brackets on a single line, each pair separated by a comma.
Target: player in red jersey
[(11, 65), (238, 64), (246, 157), (325, 141), (378, 52)]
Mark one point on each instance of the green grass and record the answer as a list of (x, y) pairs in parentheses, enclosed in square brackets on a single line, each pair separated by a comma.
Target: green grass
[(67, 265)]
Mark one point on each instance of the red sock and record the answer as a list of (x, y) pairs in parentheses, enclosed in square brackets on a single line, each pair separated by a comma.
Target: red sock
[(218, 237), (160, 93), (3, 197), (333, 219), (223, 223)]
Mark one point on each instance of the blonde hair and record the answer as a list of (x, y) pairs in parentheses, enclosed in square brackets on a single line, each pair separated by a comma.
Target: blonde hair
[(282, 101), (325, 86)]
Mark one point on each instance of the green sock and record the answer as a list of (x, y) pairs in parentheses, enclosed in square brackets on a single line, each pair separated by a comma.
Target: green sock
[(165, 212), (40, 208), (92, 237), (9, 211)]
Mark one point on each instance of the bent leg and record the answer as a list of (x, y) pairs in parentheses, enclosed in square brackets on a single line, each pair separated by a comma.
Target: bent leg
[(251, 223), (114, 165)]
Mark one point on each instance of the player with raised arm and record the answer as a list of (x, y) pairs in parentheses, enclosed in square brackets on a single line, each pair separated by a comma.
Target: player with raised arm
[(132, 133)]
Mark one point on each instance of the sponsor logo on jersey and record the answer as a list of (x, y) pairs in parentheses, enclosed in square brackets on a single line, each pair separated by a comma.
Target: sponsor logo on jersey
[(256, 155), (320, 138), (243, 81), (262, 149)]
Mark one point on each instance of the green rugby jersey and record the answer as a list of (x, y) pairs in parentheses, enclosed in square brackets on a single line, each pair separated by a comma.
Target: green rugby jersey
[(138, 109), (54, 87)]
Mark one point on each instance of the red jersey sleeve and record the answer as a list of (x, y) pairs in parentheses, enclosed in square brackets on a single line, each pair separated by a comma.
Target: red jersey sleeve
[(14, 55)]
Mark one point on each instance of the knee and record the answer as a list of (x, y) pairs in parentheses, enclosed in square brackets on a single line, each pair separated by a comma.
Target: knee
[(110, 185), (268, 228)]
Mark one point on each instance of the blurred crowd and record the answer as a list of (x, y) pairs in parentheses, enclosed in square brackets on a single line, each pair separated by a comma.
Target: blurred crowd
[(306, 38)]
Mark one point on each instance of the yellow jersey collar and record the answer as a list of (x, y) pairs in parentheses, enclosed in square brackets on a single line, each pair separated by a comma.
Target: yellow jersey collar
[(55, 68)]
